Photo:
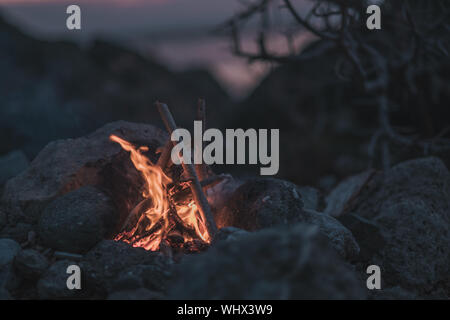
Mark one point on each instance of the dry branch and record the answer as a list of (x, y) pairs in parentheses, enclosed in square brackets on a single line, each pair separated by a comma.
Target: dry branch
[(164, 158), (201, 169), (197, 192)]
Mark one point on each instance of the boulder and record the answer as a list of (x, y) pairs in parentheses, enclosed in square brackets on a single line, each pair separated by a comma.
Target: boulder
[(402, 222), (261, 203), (277, 263), (78, 220), (109, 259), (265, 202), (30, 264), (65, 165)]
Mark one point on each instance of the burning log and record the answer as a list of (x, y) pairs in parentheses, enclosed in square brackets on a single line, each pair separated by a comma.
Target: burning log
[(197, 192)]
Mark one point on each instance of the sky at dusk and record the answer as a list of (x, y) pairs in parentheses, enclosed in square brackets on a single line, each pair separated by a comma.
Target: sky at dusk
[(121, 16), (177, 32)]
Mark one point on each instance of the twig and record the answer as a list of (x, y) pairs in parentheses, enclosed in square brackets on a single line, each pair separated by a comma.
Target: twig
[(197, 192), (164, 158), (201, 116)]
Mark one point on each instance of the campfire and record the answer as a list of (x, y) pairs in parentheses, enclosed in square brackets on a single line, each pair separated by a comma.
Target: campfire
[(174, 211)]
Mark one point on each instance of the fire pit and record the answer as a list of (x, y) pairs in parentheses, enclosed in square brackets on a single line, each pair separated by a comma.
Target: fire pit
[(173, 211)]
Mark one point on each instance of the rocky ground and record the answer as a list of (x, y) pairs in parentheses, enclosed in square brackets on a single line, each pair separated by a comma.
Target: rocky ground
[(277, 240)]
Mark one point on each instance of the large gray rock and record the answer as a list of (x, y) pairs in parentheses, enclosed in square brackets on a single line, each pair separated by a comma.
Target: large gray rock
[(265, 202), (406, 215), (78, 220), (110, 260), (30, 264), (261, 203), (66, 165), (53, 283), (275, 263), (8, 251), (12, 164)]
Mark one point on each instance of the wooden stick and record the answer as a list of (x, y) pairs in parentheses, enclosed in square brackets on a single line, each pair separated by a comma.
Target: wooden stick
[(197, 192), (164, 158), (201, 169)]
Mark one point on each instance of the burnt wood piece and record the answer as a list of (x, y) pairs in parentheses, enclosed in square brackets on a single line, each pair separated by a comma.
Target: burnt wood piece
[(197, 192), (164, 158)]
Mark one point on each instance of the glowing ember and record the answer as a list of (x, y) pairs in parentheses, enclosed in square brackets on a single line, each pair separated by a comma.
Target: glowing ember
[(158, 214)]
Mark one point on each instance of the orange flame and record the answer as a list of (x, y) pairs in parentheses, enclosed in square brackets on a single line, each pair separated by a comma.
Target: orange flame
[(155, 190)]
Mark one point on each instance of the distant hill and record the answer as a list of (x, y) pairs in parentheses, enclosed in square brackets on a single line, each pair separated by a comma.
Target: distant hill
[(56, 89)]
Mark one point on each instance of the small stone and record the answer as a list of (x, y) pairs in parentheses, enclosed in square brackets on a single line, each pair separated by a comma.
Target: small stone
[(30, 264), (53, 283)]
